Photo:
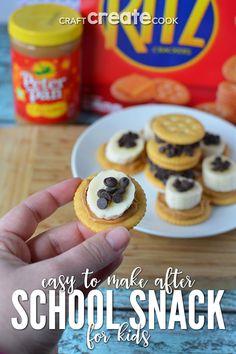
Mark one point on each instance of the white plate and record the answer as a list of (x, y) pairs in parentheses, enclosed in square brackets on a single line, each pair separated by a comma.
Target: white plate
[(84, 163)]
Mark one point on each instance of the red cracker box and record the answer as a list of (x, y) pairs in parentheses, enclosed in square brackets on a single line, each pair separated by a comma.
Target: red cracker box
[(181, 57)]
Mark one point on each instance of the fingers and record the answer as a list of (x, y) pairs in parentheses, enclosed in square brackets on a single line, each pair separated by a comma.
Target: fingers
[(103, 274), (22, 221), (58, 240), (11, 247), (95, 254)]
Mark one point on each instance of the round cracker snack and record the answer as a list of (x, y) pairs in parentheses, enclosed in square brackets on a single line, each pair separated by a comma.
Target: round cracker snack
[(178, 129), (219, 109), (171, 91), (229, 69), (133, 88), (131, 217), (194, 216)]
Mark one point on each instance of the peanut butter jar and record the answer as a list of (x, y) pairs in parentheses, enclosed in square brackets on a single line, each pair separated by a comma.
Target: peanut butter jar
[(45, 63)]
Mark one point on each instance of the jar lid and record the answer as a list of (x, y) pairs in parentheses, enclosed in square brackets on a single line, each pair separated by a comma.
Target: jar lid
[(40, 25)]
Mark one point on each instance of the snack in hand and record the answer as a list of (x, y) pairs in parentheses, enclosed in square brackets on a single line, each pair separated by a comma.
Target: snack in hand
[(183, 203), (109, 199), (219, 179), (125, 152)]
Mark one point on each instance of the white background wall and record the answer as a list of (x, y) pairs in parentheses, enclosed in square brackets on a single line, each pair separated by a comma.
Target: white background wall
[(7, 6)]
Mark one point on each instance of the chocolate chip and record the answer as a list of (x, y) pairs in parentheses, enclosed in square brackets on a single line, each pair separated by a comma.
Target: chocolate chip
[(152, 165), (129, 144), (110, 182), (102, 203), (217, 160), (211, 139), (124, 182), (183, 185), (162, 149), (177, 150), (189, 150), (164, 174), (111, 190), (171, 151), (117, 197), (133, 135), (102, 193), (121, 190), (188, 174)]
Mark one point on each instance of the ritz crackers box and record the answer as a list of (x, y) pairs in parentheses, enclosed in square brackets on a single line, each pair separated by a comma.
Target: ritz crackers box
[(192, 52)]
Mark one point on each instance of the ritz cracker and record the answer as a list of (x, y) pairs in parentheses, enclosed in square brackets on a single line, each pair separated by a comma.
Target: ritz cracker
[(179, 63), (46, 63)]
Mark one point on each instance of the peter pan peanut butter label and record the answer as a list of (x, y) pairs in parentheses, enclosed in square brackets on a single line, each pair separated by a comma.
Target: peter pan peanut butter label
[(46, 90), (179, 34)]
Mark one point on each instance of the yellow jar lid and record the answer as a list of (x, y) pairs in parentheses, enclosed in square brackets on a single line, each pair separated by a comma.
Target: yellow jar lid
[(40, 25)]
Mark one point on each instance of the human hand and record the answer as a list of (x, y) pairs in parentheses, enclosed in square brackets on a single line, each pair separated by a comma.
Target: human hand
[(68, 249)]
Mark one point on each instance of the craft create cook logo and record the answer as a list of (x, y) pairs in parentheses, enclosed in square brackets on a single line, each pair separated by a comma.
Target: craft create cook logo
[(163, 47)]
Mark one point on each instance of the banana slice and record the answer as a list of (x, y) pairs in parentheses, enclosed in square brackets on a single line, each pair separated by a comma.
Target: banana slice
[(219, 176), (148, 133), (124, 147), (182, 193), (113, 210), (209, 150)]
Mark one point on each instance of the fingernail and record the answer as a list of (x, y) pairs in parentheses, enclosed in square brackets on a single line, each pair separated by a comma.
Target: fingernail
[(118, 238)]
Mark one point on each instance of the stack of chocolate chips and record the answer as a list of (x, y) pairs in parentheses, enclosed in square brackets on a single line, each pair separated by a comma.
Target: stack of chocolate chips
[(128, 140), (113, 192), (183, 185), (211, 139), (220, 165), (171, 150), (163, 174)]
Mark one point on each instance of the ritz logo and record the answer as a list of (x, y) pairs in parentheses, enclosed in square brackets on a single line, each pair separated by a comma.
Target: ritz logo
[(165, 47)]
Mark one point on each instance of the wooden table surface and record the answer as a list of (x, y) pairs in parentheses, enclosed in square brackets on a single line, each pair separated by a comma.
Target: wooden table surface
[(32, 179)]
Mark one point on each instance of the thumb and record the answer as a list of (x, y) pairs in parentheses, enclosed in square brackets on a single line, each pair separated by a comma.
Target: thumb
[(95, 253)]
